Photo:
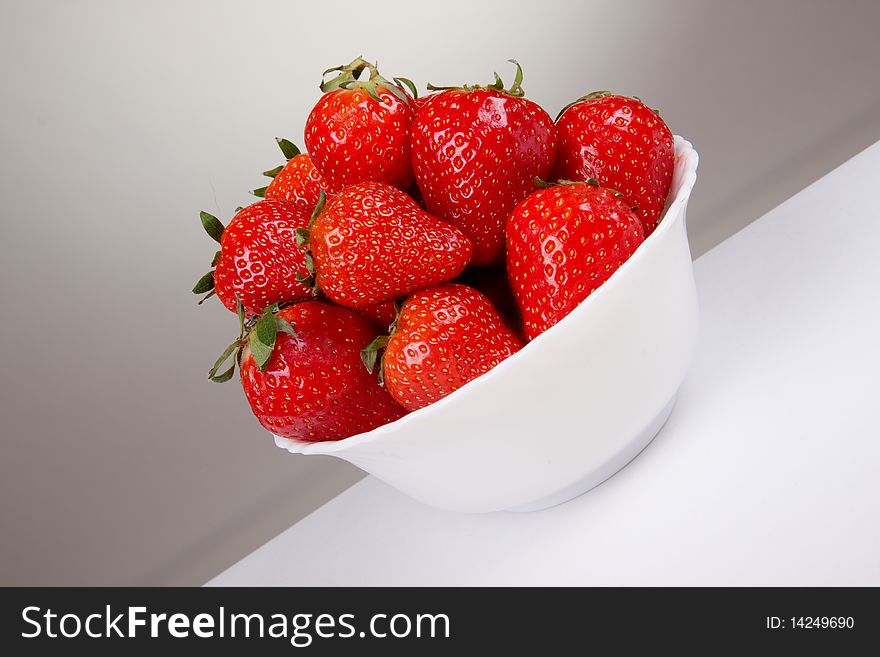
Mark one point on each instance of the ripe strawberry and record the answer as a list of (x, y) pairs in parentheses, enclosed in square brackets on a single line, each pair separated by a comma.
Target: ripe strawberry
[(445, 336), (302, 373), (259, 261), (372, 243), (624, 145), (476, 153), (297, 182), (359, 130), (562, 243)]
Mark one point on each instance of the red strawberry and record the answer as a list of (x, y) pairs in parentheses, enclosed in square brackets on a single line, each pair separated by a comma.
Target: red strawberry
[(302, 372), (372, 243), (297, 182), (623, 144), (359, 130), (562, 244), (445, 336), (476, 153), (259, 261)]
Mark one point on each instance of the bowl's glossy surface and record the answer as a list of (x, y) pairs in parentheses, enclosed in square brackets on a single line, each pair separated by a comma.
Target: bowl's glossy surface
[(567, 411)]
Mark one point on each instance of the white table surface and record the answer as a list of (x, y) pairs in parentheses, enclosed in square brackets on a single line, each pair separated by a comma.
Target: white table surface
[(767, 473)]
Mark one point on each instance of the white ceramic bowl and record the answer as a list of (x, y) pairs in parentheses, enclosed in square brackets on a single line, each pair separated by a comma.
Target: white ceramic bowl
[(567, 411)]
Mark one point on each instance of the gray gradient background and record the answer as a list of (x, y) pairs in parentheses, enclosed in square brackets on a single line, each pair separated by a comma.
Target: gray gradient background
[(120, 463)]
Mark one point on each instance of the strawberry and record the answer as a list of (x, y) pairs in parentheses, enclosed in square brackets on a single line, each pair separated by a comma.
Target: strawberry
[(360, 130), (476, 152), (623, 144), (302, 373), (445, 336), (372, 243), (259, 261), (297, 182), (562, 243)]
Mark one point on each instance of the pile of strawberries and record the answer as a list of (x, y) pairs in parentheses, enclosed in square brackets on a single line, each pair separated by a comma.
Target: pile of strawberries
[(423, 240)]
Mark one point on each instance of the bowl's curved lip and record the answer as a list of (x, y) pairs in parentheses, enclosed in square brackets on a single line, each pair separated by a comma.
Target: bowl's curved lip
[(683, 148)]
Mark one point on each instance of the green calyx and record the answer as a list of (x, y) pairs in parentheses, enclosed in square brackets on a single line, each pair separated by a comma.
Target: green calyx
[(214, 228), (515, 90), (290, 151), (547, 184), (303, 238), (348, 78), (259, 333), (543, 184), (375, 351), (370, 353), (288, 148), (593, 95)]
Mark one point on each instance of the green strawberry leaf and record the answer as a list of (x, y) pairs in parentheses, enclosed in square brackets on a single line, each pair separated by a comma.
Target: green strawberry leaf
[(260, 192), (205, 283), (302, 236), (226, 374), (370, 353), (216, 259), (211, 225), (239, 310), (409, 85), (398, 92), (259, 351), (271, 173), (319, 206), (516, 88), (289, 149), (262, 340), (284, 327), (223, 377)]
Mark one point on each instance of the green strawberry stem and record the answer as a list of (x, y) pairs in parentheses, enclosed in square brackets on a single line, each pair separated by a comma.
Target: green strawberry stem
[(349, 78), (515, 90)]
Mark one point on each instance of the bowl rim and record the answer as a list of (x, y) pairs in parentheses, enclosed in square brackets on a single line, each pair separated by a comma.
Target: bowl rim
[(683, 149)]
